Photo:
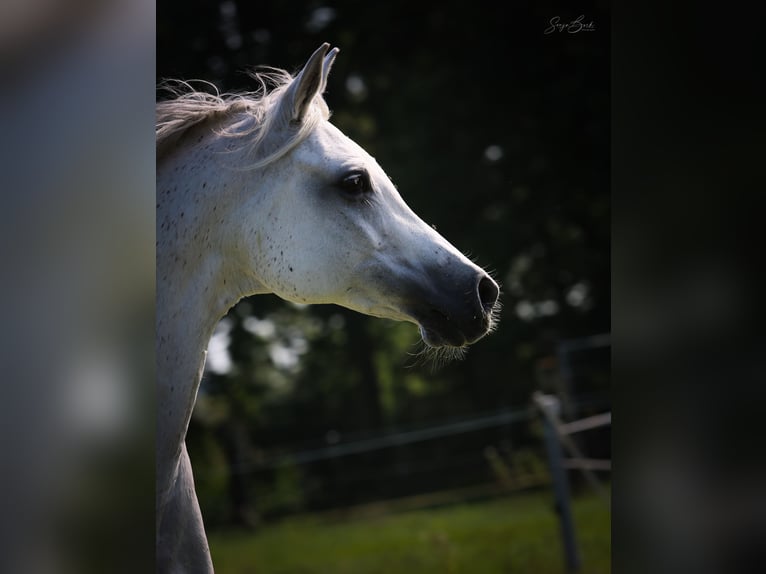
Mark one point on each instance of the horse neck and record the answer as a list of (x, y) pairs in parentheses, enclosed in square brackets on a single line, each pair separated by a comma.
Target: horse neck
[(188, 309), (196, 284)]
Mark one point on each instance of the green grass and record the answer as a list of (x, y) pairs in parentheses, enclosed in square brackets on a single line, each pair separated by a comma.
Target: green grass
[(507, 535)]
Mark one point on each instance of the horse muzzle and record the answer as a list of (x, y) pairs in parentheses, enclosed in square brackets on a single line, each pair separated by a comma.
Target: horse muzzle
[(457, 311)]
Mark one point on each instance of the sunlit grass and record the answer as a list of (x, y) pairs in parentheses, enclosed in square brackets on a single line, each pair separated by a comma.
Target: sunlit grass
[(513, 534)]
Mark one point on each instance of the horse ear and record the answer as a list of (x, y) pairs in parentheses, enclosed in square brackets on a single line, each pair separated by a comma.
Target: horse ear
[(326, 65), (311, 81)]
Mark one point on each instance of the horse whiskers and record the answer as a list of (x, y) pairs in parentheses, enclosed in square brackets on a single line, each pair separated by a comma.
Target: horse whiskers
[(494, 316), (435, 357)]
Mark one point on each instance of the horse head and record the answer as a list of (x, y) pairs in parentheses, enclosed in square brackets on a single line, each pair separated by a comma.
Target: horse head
[(323, 223)]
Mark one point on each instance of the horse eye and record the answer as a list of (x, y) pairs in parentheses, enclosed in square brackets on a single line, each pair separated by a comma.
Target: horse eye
[(356, 183)]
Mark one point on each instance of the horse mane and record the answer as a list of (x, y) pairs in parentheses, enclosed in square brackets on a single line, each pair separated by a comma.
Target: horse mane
[(256, 112)]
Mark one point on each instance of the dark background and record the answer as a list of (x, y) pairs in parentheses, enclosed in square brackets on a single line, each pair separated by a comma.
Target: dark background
[(493, 131)]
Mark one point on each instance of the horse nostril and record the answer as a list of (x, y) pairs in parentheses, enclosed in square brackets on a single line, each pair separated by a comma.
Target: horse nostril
[(488, 293)]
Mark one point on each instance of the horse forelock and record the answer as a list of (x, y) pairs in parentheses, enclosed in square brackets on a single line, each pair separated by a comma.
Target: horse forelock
[(255, 117)]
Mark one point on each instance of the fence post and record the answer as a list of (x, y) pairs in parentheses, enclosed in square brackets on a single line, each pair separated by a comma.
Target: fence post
[(550, 406)]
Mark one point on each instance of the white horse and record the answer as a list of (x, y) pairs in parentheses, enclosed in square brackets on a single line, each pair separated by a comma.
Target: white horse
[(260, 193)]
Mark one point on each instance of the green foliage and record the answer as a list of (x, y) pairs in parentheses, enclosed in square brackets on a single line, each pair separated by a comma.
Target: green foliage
[(211, 475), (283, 494)]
